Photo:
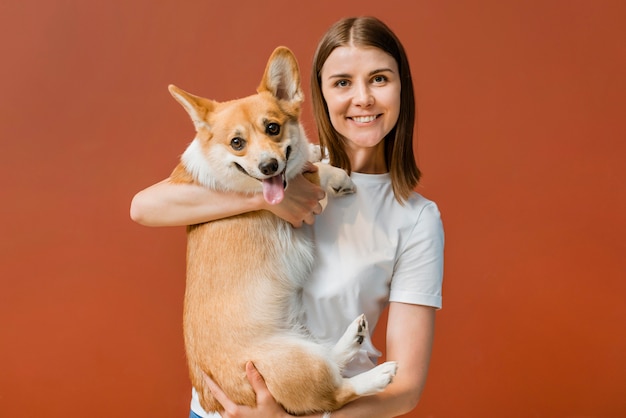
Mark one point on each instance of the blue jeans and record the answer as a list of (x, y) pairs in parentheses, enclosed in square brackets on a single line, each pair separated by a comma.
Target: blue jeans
[(193, 415)]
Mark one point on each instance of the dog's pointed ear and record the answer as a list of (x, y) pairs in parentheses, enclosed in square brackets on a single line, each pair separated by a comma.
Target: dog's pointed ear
[(282, 76), (197, 107)]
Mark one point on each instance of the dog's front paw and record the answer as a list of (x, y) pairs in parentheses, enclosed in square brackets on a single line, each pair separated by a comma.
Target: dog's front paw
[(335, 180), (315, 153)]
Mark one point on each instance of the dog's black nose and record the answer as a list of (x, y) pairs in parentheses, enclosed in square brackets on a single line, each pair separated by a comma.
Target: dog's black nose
[(269, 167)]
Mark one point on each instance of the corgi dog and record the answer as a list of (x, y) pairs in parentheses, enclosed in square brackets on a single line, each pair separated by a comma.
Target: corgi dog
[(245, 273)]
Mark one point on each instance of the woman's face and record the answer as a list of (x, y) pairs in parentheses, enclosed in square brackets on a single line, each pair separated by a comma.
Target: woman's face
[(361, 87)]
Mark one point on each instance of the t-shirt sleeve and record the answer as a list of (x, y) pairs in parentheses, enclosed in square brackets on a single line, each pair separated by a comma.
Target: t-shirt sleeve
[(418, 273)]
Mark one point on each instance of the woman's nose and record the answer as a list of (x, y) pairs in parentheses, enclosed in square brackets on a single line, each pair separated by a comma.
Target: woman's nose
[(363, 96)]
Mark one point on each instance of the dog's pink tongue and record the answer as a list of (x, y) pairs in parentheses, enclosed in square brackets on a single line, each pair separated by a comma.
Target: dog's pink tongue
[(273, 190)]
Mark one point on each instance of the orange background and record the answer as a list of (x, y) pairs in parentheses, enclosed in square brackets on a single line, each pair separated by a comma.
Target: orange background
[(521, 137)]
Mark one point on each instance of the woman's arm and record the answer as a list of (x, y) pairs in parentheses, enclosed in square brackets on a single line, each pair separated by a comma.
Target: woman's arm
[(410, 332), (176, 204)]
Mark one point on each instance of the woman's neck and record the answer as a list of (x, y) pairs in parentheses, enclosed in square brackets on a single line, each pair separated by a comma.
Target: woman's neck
[(368, 160)]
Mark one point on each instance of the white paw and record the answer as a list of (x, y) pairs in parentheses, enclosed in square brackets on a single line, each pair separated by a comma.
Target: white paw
[(350, 342), (335, 180), (315, 153), (375, 380)]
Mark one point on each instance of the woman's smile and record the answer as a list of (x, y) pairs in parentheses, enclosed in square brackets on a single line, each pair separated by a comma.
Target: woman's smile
[(363, 119)]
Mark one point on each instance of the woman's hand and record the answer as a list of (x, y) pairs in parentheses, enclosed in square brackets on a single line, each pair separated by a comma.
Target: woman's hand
[(301, 202), (266, 406)]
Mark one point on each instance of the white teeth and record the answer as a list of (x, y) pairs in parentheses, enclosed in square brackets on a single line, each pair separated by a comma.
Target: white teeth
[(363, 119)]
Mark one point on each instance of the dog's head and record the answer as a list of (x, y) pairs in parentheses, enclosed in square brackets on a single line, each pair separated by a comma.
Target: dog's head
[(250, 144)]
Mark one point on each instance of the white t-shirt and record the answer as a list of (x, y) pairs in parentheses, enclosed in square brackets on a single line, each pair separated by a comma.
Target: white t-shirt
[(371, 250)]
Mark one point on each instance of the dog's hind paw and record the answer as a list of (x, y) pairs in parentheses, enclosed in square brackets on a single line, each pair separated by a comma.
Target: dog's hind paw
[(374, 380), (350, 342)]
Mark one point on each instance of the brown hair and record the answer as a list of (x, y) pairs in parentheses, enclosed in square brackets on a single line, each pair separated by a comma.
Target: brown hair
[(399, 157)]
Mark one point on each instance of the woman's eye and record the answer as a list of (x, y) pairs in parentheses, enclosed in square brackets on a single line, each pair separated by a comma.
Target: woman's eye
[(380, 79), (342, 83), (272, 129), (237, 143)]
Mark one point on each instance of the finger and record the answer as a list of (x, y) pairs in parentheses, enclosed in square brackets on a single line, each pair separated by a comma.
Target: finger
[(309, 219), (309, 167), (217, 392), (256, 380), (317, 209)]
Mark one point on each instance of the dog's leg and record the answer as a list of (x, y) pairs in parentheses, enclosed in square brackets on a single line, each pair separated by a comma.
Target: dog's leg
[(303, 377), (315, 153), (335, 180), (364, 384), (350, 342), (374, 380)]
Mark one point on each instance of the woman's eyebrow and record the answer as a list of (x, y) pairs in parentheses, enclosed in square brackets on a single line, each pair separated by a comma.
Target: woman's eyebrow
[(381, 70), (346, 75), (376, 71)]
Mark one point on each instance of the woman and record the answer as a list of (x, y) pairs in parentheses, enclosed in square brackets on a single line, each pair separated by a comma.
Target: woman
[(381, 246)]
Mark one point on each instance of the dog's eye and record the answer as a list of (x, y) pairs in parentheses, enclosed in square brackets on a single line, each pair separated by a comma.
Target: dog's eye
[(237, 143), (272, 129)]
